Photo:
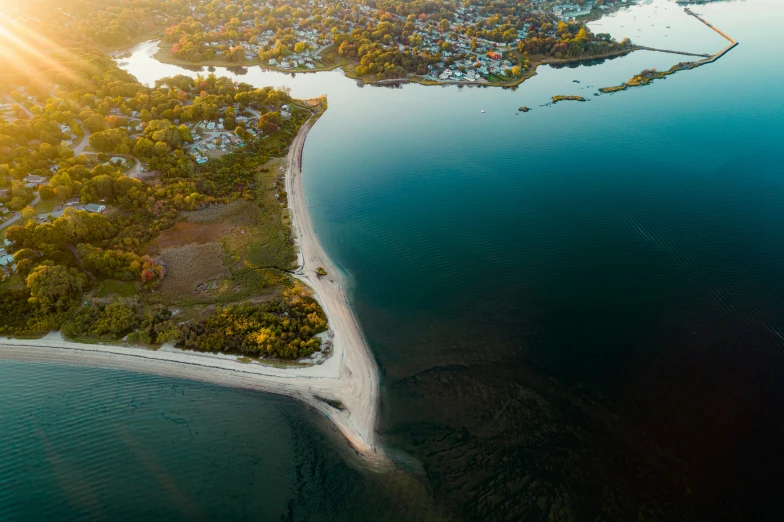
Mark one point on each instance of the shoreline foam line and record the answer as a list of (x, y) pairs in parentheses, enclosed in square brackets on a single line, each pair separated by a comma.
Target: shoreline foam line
[(348, 377)]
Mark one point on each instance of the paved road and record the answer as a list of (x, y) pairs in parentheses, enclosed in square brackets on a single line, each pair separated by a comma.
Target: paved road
[(79, 149), (16, 216), (13, 219), (133, 172), (318, 52), (10, 100)]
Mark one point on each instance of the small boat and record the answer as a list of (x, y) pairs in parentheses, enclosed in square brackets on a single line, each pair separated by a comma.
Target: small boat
[(482, 111)]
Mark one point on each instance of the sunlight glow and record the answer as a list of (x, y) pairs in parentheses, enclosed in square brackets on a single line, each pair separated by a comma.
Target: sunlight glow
[(26, 51)]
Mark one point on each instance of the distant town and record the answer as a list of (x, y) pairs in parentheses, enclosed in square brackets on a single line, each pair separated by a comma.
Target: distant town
[(494, 41)]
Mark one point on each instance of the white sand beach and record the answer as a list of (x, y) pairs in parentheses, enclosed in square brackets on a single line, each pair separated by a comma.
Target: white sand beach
[(349, 375)]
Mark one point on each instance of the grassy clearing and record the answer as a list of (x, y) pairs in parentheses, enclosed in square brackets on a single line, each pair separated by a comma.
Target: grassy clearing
[(113, 287), (186, 233), (13, 283), (193, 271), (236, 212), (264, 240), (229, 253)]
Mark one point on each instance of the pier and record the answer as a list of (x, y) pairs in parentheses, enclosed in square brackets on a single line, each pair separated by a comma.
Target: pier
[(683, 66), (643, 48), (701, 19), (731, 46)]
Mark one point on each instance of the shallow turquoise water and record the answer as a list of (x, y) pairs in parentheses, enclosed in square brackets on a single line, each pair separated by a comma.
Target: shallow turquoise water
[(87, 443), (577, 311)]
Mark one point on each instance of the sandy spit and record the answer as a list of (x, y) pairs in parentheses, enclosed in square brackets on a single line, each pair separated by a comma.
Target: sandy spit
[(349, 375)]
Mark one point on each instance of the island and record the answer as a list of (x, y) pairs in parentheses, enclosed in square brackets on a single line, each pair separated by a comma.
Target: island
[(561, 97)]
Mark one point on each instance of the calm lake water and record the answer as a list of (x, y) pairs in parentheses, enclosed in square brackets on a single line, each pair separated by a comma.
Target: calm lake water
[(578, 312)]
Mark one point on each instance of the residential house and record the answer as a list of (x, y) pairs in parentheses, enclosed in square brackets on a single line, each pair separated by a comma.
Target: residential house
[(95, 208), (33, 180), (6, 260)]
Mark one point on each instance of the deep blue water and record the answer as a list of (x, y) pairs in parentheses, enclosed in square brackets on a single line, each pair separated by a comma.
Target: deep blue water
[(577, 311)]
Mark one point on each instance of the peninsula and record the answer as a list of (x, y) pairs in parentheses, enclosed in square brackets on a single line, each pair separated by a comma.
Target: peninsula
[(143, 218), (344, 388)]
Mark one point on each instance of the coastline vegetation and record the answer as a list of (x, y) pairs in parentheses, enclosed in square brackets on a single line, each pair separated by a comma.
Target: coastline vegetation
[(649, 75), (560, 98), (615, 88)]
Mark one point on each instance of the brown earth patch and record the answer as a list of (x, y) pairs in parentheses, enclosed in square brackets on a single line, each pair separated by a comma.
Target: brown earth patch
[(187, 233), (149, 176), (193, 270)]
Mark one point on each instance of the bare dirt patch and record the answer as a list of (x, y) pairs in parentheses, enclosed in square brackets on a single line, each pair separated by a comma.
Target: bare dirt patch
[(193, 269), (186, 233), (148, 176)]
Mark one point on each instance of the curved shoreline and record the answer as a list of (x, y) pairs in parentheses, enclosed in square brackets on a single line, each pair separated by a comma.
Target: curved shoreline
[(357, 369), (349, 376)]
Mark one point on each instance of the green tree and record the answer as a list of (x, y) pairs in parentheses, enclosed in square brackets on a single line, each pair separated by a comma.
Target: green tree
[(143, 148), (242, 133), (185, 133), (27, 214), (95, 123), (269, 123), (161, 149), (54, 286), (108, 140), (24, 267)]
